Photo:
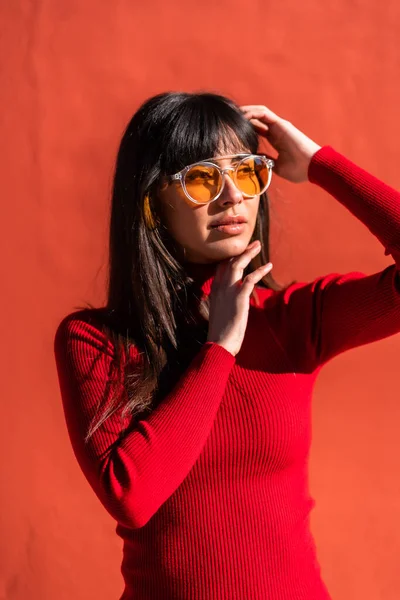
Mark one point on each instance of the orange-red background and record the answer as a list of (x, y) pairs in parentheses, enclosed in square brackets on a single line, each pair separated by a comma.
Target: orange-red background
[(72, 74)]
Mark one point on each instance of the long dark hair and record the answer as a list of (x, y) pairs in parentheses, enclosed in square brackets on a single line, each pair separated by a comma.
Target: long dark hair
[(152, 303)]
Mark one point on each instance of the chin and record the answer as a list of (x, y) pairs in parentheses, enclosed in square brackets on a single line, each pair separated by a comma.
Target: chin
[(207, 252), (229, 247)]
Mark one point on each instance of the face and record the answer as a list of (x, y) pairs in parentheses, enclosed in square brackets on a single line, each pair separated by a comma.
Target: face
[(191, 225)]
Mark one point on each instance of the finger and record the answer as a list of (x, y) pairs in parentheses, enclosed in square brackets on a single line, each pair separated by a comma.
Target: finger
[(258, 108), (259, 112), (239, 263), (252, 278), (249, 107), (262, 127), (223, 265), (227, 261), (243, 259)]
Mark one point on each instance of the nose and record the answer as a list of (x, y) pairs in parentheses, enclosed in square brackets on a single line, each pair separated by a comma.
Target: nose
[(230, 194)]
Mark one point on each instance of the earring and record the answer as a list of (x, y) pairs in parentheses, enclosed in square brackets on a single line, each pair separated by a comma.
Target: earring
[(148, 216)]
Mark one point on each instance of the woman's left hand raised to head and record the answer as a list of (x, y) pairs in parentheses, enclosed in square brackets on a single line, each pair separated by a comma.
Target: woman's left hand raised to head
[(295, 149)]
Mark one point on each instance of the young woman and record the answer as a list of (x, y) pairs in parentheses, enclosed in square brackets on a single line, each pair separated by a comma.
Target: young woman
[(188, 396)]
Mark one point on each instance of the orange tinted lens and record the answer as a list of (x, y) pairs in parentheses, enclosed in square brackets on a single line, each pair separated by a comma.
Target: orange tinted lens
[(252, 176), (203, 182)]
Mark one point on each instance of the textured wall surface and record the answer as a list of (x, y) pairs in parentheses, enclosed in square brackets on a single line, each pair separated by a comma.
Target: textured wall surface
[(72, 73)]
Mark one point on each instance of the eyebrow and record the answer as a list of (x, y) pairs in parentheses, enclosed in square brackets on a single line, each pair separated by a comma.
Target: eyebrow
[(236, 155)]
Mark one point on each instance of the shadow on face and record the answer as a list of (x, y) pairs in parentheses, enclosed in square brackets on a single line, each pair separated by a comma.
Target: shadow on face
[(190, 224)]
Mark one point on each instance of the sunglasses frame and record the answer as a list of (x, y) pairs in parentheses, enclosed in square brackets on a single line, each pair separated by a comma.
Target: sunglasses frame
[(180, 176)]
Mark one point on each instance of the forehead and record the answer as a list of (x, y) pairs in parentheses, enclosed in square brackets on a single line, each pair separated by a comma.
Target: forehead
[(231, 144), (229, 149)]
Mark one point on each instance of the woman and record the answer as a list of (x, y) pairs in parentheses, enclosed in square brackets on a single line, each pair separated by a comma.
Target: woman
[(188, 397)]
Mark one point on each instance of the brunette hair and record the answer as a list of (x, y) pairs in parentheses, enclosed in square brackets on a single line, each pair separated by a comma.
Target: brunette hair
[(152, 302)]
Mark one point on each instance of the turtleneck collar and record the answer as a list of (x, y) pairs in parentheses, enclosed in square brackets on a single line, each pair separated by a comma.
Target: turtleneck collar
[(203, 274)]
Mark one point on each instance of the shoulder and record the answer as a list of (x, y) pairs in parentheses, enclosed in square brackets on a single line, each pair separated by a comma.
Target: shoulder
[(86, 326), (94, 334)]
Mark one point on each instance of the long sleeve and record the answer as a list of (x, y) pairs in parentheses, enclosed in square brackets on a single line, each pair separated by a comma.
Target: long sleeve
[(374, 203), (135, 473), (337, 312)]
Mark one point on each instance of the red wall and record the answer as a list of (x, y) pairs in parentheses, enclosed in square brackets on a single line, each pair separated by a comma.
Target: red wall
[(72, 73)]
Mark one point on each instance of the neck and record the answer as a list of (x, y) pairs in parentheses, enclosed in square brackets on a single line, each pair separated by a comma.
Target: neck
[(203, 274)]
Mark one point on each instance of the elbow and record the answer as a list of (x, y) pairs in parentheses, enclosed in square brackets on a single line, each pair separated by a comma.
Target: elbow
[(125, 514), (123, 497)]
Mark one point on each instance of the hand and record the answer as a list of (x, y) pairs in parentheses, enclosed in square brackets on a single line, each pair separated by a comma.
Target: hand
[(230, 299), (294, 147)]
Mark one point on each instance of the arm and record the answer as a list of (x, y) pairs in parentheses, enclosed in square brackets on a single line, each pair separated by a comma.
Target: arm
[(374, 203), (135, 473), (337, 312), (345, 311)]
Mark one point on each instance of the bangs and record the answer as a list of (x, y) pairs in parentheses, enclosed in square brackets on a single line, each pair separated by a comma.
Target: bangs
[(203, 126)]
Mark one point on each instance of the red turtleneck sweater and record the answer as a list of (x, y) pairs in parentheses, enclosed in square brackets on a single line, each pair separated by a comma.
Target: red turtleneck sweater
[(210, 489)]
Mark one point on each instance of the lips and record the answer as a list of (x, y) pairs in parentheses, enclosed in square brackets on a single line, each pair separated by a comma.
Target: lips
[(228, 221)]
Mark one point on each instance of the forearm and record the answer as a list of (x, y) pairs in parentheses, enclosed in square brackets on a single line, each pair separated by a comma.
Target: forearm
[(134, 468)]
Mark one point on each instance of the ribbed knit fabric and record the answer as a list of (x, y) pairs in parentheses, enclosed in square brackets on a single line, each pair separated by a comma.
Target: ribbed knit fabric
[(210, 489)]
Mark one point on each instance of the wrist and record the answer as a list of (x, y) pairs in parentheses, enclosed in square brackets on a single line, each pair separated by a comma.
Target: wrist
[(310, 152)]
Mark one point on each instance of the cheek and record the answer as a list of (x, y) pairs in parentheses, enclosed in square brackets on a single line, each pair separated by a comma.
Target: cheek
[(175, 201), (186, 222), (190, 226)]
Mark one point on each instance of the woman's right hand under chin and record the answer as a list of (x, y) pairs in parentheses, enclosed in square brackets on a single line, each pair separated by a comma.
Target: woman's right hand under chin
[(230, 299)]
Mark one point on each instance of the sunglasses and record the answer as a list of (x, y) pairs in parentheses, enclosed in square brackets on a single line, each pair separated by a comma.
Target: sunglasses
[(204, 181)]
